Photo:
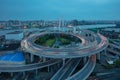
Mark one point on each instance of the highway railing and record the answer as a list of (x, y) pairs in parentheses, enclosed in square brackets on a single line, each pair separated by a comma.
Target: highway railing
[(69, 66), (20, 68), (85, 71)]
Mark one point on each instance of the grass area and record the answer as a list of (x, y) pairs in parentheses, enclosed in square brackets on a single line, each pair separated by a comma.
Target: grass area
[(43, 42), (115, 40), (65, 41), (50, 42), (94, 30), (115, 65)]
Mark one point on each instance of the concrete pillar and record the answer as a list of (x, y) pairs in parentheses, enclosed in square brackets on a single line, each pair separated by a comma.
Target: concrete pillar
[(58, 64), (36, 72), (105, 52), (48, 68), (40, 59), (11, 74), (98, 56), (23, 74), (63, 61), (84, 60), (31, 57), (44, 59)]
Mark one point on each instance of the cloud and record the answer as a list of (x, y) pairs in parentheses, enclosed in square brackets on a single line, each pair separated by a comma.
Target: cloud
[(56, 8)]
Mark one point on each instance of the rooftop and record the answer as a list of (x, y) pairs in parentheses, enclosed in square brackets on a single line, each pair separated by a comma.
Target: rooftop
[(13, 57), (15, 32)]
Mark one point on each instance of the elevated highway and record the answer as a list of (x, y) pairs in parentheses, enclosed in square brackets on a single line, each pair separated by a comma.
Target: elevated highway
[(88, 49), (113, 51), (85, 71), (66, 70), (85, 50), (28, 67), (118, 47)]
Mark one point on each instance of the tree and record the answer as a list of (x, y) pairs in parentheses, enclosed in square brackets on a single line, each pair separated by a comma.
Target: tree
[(75, 22)]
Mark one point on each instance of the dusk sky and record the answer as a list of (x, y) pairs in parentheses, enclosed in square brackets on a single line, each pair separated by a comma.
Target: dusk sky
[(60, 9)]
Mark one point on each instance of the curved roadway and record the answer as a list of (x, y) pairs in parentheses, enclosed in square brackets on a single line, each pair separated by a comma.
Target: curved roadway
[(29, 45), (86, 50), (28, 67), (66, 70), (101, 44), (85, 71)]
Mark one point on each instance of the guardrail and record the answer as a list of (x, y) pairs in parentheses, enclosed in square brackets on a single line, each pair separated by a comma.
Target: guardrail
[(114, 45), (115, 52), (62, 72), (85, 71), (20, 68), (56, 53)]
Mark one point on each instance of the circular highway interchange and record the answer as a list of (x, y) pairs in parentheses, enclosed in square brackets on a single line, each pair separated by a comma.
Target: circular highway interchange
[(91, 45)]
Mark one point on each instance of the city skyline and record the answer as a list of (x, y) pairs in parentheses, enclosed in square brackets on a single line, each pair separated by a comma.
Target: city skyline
[(56, 9)]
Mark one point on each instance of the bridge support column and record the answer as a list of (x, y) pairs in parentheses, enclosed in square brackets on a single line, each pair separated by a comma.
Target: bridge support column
[(84, 60), (48, 68), (63, 61), (40, 57), (44, 59), (58, 65), (23, 74), (105, 52), (36, 72), (31, 57), (11, 74), (98, 56)]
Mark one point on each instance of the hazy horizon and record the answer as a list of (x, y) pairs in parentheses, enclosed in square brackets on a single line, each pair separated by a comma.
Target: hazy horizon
[(59, 9)]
